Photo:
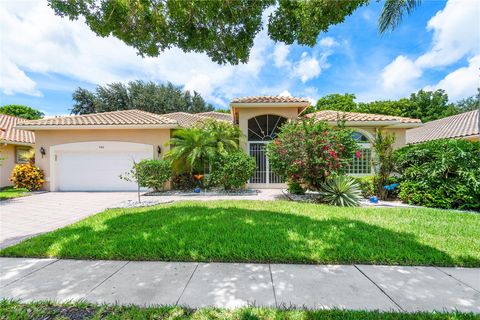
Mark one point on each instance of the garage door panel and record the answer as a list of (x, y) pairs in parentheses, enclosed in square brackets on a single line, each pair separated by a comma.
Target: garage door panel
[(96, 169)]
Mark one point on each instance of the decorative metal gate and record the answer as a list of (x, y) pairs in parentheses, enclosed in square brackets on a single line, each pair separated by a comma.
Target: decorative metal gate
[(263, 174)]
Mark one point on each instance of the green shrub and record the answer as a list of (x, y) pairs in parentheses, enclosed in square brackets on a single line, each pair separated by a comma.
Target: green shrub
[(183, 181), (295, 188), (232, 170), (367, 186), (342, 191), (442, 173), (27, 176), (153, 173)]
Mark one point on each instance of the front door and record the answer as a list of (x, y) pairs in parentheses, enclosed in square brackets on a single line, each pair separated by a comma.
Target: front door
[(263, 173)]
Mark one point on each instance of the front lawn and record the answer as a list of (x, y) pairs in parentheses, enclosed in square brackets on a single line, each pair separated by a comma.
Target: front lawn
[(11, 192), (48, 310), (266, 231)]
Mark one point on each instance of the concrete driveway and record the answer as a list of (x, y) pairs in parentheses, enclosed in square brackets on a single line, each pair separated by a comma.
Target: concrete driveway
[(26, 217)]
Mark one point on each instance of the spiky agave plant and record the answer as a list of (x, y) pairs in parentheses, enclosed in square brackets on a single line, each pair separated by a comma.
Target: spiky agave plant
[(342, 191)]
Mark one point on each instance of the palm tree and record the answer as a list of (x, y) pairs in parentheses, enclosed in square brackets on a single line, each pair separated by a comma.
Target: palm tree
[(393, 11), (191, 149), (225, 134)]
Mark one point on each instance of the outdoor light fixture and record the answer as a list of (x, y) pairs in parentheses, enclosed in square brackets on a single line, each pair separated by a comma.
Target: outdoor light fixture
[(42, 151), (159, 150)]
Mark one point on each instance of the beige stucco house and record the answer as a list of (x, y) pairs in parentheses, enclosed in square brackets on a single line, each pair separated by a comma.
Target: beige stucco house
[(89, 152), (14, 145)]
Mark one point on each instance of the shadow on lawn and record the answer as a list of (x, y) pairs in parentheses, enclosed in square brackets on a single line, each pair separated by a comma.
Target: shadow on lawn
[(202, 233)]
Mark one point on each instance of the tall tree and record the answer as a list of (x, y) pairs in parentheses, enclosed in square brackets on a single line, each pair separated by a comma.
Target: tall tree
[(336, 101), (424, 105), (224, 30), (429, 105), (147, 96), (21, 111), (469, 104)]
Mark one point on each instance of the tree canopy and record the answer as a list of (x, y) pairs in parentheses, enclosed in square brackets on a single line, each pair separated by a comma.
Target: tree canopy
[(224, 30), (146, 96), (21, 111), (424, 105)]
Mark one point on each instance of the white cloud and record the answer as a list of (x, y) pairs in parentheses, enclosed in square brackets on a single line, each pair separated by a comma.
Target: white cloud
[(280, 54), (285, 93), (399, 74), (462, 82), (40, 42), (456, 35), (307, 68), (14, 80), (328, 42)]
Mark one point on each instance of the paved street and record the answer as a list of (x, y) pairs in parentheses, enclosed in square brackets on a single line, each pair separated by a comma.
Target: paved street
[(232, 285), (22, 218)]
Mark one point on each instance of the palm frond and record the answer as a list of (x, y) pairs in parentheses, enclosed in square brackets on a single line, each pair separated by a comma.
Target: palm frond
[(393, 11)]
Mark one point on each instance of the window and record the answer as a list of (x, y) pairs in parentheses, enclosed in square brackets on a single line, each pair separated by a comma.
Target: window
[(265, 127), (363, 164), (22, 154)]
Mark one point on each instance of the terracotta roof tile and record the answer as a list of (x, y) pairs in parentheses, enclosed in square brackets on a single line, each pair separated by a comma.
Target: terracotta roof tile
[(8, 132), (216, 115), (269, 99), (460, 125), (184, 119), (332, 115), (122, 117)]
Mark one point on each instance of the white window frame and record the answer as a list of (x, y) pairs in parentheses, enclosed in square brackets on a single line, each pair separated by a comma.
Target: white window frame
[(365, 145), (18, 158)]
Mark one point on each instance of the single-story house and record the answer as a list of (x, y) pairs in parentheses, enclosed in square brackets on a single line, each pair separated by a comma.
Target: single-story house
[(15, 144), (89, 152), (460, 126)]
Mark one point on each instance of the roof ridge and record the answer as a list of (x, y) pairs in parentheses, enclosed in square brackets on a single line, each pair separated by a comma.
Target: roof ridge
[(373, 114)]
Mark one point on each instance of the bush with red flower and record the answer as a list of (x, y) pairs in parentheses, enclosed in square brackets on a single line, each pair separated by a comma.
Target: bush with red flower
[(306, 152)]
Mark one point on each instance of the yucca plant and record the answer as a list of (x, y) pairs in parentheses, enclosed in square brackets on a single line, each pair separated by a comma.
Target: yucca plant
[(342, 191)]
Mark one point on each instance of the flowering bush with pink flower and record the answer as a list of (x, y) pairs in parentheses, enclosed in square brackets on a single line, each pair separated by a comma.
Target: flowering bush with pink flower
[(308, 151)]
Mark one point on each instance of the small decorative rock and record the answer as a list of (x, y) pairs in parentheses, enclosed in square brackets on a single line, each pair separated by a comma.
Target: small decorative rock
[(210, 192), (136, 204)]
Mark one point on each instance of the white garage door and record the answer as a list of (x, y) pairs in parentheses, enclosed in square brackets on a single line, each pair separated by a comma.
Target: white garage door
[(96, 166)]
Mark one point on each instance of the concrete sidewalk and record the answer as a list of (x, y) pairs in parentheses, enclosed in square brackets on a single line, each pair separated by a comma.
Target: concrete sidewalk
[(232, 285)]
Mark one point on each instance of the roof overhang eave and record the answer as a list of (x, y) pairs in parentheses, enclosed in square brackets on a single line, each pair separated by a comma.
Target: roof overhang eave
[(269, 104), (385, 124), (99, 127), (405, 125), (17, 143)]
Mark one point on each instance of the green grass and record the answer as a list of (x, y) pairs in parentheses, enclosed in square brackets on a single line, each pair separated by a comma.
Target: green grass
[(48, 310), (11, 192), (267, 231)]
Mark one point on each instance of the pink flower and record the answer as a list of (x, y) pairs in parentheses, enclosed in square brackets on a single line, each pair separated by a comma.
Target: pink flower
[(358, 154)]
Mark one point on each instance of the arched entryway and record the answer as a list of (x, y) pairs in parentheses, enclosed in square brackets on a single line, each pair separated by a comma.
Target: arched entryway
[(261, 131)]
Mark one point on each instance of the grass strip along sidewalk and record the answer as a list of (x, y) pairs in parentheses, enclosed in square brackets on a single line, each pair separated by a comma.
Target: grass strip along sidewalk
[(48, 310), (266, 231)]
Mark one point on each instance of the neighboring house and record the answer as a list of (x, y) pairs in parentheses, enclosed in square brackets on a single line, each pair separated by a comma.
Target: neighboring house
[(461, 126), (89, 152), (14, 145)]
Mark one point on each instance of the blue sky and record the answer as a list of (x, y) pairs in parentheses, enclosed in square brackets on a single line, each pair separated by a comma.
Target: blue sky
[(44, 58)]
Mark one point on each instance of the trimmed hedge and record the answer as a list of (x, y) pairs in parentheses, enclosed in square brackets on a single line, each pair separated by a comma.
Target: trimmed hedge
[(441, 173)]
